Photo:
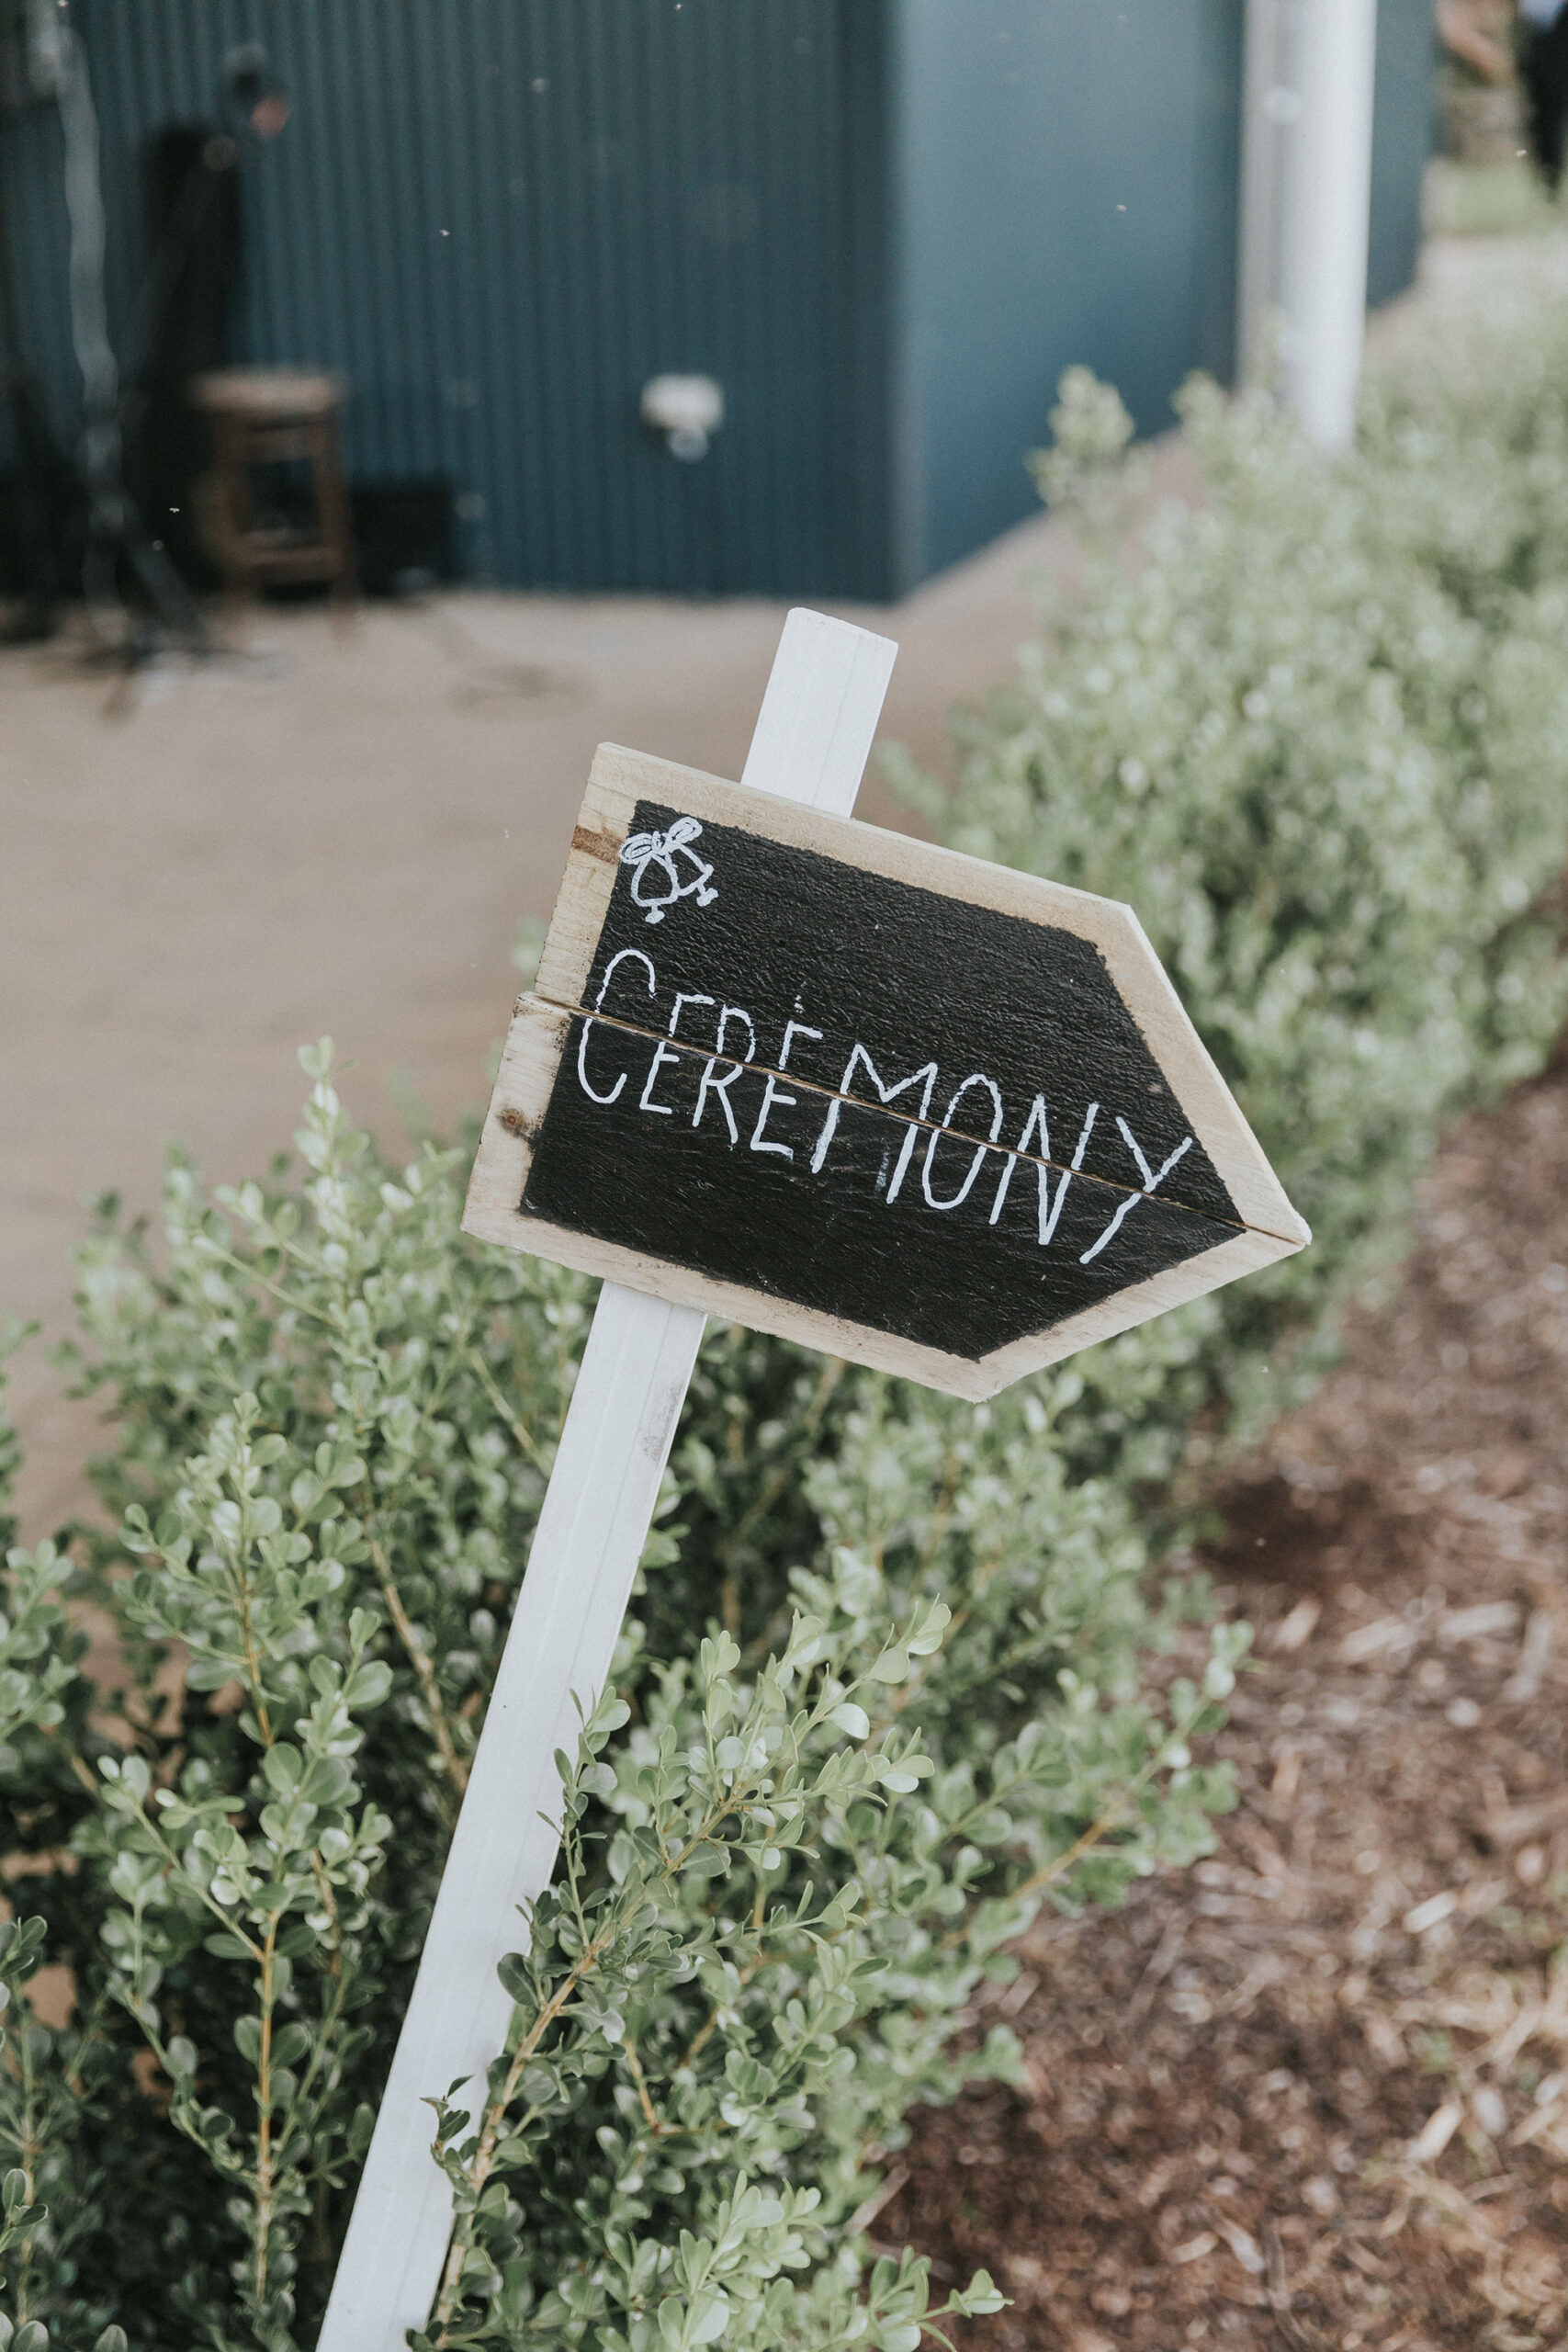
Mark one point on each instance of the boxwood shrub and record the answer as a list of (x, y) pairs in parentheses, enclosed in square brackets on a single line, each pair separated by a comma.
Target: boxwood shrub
[(884, 1688)]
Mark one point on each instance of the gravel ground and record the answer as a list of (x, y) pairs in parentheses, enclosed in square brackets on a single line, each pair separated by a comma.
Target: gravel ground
[(1314, 2092)]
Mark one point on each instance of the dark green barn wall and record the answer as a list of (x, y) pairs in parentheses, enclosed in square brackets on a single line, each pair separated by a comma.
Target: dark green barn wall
[(498, 218), (885, 226), (1067, 174), (1405, 100)]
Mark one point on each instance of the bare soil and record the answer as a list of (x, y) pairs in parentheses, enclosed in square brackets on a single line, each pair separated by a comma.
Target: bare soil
[(1314, 2092)]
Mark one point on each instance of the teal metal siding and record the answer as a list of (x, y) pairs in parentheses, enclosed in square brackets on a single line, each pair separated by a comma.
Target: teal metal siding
[(1067, 193), (1404, 98), (498, 218), (885, 225)]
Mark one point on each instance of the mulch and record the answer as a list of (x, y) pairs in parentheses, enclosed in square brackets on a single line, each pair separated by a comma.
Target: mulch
[(1314, 2091)]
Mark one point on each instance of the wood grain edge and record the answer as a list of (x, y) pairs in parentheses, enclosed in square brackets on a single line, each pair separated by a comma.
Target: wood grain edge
[(1247, 1253), (582, 902), (529, 1060), (1194, 1078), (620, 778)]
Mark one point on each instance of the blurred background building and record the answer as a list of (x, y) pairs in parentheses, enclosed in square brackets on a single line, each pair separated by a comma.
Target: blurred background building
[(879, 228)]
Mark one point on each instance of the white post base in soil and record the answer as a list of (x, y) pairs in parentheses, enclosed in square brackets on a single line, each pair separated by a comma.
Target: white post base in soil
[(813, 734)]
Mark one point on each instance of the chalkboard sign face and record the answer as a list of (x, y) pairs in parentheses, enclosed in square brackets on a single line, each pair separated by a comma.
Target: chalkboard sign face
[(926, 1113)]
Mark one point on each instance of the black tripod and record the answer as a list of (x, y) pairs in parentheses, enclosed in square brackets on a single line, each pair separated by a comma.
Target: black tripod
[(137, 602), (137, 599), (45, 492)]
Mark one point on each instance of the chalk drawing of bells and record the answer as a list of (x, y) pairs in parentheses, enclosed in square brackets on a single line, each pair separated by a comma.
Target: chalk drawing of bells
[(666, 867)]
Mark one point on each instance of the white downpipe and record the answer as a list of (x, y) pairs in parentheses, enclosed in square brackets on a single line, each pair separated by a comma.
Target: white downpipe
[(1306, 194)]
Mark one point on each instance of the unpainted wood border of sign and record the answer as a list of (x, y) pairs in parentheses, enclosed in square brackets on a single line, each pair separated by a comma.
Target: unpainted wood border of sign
[(541, 1022)]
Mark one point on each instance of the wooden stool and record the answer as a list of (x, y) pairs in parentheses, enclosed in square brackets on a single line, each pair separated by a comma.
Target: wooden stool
[(261, 415)]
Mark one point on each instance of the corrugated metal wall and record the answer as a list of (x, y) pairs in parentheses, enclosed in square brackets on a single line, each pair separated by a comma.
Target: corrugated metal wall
[(1067, 192), (1067, 195), (884, 225), (1403, 137), (499, 217)]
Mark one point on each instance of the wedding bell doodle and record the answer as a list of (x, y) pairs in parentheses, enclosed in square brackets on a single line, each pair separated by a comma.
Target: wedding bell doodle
[(903, 1105), (668, 853)]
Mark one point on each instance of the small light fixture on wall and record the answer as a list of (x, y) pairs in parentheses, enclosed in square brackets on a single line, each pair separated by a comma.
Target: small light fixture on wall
[(688, 410)]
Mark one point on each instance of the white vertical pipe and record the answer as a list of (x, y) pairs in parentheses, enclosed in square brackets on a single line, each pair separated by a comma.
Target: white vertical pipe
[(1306, 196), (1269, 109), (1326, 222), (812, 738)]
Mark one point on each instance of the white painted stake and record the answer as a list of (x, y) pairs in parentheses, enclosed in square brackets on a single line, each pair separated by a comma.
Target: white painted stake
[(813, 734), (1305, 204)]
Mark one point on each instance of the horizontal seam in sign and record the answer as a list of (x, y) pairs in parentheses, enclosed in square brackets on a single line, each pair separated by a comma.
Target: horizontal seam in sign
[(903, 1118)]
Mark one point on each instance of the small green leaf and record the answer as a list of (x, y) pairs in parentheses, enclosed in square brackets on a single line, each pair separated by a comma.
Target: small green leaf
[(708, 1861), (982, 2295), (223, 1947), (708, 2315), (512, 1971), (368, 1684)]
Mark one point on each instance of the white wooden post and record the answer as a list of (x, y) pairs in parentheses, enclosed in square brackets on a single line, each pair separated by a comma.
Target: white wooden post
[(1306, 204), (813, 734)]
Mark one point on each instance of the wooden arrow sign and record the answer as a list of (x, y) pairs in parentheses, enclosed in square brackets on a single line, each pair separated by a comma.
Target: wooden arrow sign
[(932, 1115)]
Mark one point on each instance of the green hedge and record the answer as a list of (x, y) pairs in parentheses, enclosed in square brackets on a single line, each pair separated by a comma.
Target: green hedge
[(1319, 738)]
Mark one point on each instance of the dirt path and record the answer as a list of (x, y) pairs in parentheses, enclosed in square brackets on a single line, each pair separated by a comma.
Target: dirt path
[(1316, 2092)]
